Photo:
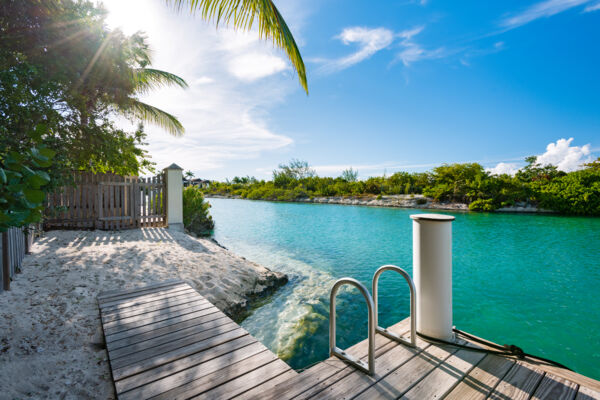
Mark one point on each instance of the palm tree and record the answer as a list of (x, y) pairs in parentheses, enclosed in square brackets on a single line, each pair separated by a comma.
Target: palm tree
[(117, 74), (241, 14), (144, 80)]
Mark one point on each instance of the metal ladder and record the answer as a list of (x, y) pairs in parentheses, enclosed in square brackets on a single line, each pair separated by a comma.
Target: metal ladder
[(372, 305)]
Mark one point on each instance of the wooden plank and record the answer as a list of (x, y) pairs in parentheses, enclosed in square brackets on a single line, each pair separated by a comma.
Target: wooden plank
[(196, 368), (182, 364), (112, 293), (258, 391), (246, 382), (174, 344), (445, 376), (157, 325), (586, 393), (555, 388), (146, 297), (170, 299), (482, 380), (131, 302), (143, 294), (209, 320), (143, 194), (176, 354), (5, 262), (138, 319), (200, 332), (120, 327), (519, 383), (149, 307), (98, 206), (122, 213), (219, 377)]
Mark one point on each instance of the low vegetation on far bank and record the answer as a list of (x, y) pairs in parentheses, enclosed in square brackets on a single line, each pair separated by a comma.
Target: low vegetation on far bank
[(544, 186)]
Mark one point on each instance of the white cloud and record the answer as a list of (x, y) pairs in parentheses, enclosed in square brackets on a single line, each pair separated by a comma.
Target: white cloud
[(203, 80), (561, 154), (369, 41), (253, 66), (504, 168), (543, 9), (412, 51), (566, 157), (373, 40), (592, 7)]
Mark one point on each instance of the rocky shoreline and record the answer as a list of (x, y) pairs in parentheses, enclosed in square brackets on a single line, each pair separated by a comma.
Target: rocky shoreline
[(51, 342), (417, 201)]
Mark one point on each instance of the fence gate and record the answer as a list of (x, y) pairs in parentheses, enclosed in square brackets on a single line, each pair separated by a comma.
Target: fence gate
[(108, 201)]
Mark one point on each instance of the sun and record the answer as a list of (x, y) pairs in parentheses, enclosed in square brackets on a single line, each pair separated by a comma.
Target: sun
[(130, 16)]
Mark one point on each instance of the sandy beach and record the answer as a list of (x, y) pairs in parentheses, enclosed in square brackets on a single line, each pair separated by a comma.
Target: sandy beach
[(51, 343)]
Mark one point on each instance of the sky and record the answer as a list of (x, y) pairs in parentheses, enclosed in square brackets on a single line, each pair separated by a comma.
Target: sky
[(393, 85)]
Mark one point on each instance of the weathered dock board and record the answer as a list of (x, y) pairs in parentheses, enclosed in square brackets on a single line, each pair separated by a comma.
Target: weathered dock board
[(166, 341), (433, 372)]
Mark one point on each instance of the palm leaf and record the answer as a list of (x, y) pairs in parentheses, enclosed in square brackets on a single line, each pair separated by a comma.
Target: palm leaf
[(241, 13), (155, 115), (147, 79)]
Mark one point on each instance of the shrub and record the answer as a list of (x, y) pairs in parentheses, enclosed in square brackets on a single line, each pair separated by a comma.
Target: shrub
[(482, 205), (196, 217), (421, 201)]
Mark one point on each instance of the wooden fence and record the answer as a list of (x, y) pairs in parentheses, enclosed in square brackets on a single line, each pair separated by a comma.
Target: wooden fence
[(15, 244), (108, 201)]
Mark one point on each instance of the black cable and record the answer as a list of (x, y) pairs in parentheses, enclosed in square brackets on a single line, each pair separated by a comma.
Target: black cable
[(503, 351)]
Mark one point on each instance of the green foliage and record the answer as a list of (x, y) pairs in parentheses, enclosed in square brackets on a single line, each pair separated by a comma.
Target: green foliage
[(23, 176), (544, 186), (482, 205), (196, 217)]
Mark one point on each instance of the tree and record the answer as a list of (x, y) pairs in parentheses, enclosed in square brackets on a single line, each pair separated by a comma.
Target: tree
[(295, 170), (189, 175), (241, 14), (350, 175), (534, 171), (61, 67), (196, 217)]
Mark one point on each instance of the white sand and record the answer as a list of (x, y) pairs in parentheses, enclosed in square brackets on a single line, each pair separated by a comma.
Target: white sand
[(50, 335)]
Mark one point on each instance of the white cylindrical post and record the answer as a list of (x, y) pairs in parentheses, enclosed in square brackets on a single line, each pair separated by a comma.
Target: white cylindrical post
[(432, 272), (174, 175)]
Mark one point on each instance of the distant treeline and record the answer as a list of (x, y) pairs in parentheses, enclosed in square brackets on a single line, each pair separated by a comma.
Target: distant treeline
[(544, 186)]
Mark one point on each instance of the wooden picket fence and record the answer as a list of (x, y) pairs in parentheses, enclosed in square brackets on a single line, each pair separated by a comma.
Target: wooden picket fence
[(14, 245), (109, 202)]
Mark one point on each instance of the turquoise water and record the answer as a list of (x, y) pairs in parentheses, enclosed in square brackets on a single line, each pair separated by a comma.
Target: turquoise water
[(529, 280)]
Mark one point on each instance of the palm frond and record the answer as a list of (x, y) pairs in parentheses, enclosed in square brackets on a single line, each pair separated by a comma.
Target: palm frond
[(147, 79), (241, 14), (146, 112)]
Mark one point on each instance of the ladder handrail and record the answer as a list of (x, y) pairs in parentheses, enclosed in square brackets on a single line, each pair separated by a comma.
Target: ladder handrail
[(413, 305), (333, 349)]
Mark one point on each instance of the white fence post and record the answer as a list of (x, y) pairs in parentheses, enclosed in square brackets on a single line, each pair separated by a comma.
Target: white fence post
[(432, 272), (174, 176)]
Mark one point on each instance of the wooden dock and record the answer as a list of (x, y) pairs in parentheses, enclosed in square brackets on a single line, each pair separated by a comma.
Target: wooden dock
[(167, 342)]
